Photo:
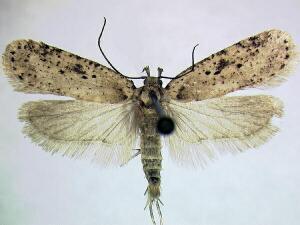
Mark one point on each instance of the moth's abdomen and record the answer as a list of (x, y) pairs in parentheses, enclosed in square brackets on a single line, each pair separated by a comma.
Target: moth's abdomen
[(151, 152)]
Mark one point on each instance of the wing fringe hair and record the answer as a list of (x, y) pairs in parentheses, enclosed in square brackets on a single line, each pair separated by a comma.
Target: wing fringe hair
[(209, 128), (291, 62), (104, 133)]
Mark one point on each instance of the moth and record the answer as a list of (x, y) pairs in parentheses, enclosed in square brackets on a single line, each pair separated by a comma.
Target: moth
[(109, 116)]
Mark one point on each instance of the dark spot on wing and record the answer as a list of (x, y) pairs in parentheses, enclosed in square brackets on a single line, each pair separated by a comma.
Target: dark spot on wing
[(222, 64), (121, 94), (45, 49), (239, 44), (282, 66), (93, 76), (78, 69), (239, 65), (58, 50), (180, 94), (253, 38), (222, 52), (204, 60), (12, 59), (12, 52), (207, 72), (217, 72), (43, 45), (61, 71), (255, 41), (287, 56), (20, 77), (84, 77)]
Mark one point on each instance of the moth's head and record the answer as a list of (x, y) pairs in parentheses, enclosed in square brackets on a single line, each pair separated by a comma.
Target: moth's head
[(153, 81), (151, 85)]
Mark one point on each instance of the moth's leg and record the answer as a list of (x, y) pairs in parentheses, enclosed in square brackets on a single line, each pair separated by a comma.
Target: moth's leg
[(151, 212), (133, 156), (159, 211), (146, 193)]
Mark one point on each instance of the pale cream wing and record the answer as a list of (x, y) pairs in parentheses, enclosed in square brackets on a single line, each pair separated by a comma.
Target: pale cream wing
[(261, 60), (106, 133), (35, 67), (207, 128)]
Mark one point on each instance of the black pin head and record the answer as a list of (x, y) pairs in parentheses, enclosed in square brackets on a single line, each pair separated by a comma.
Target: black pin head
[(165, 125)]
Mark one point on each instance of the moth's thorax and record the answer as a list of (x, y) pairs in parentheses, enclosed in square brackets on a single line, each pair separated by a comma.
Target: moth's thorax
[(151, 84)]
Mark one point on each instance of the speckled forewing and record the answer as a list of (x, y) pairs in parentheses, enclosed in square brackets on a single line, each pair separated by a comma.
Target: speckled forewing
[(263, 59), (35, 67)]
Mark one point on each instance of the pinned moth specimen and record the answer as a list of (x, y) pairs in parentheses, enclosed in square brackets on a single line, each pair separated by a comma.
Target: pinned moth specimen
[(109, 114)]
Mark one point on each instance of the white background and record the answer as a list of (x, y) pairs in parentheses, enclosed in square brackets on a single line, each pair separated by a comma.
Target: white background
[(258, 187)]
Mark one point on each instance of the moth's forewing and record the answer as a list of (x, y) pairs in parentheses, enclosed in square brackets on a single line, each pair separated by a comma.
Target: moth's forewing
[(35, 67), (261, 60)]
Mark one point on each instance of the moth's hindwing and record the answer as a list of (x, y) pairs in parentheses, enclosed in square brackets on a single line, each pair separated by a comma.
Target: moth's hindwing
[(261, 60), (35, 67), (105, 133), (225, 124)]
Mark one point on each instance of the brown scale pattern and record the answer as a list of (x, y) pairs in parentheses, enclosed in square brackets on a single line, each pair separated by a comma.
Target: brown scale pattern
[(262, 59), (35, 67)]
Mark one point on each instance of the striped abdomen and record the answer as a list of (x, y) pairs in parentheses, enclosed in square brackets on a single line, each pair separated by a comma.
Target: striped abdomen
[(151, 152)]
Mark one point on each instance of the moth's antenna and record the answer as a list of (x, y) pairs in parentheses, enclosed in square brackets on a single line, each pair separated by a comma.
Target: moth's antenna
[(160, 71), (99, 39), (192, 67), (99, 45), (193, 53), (190, 70)]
